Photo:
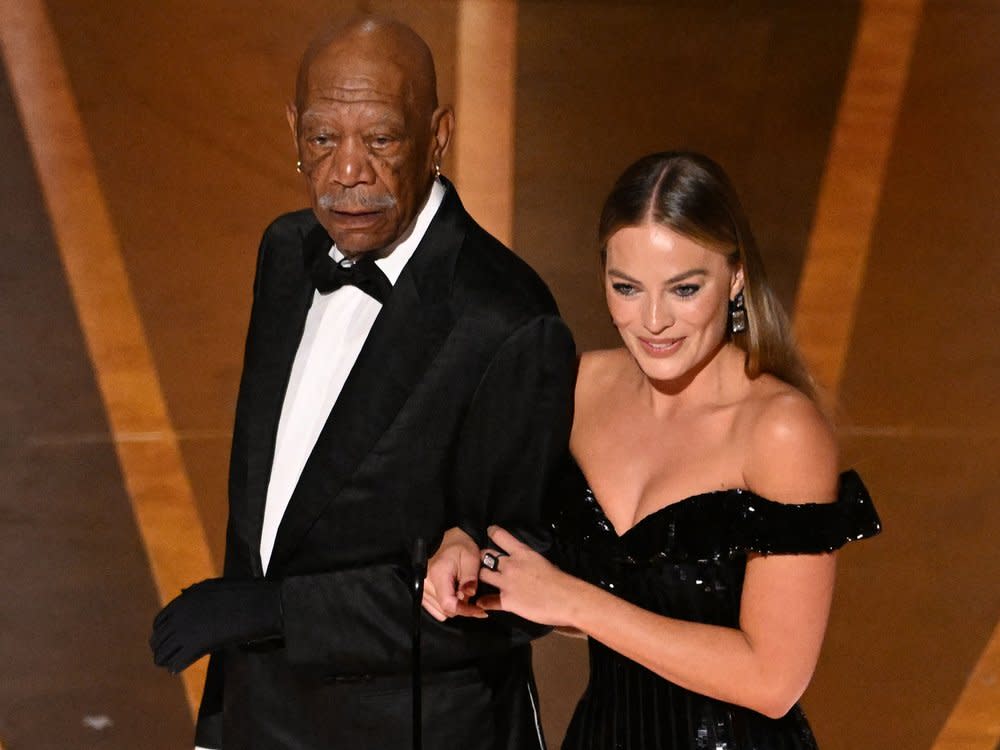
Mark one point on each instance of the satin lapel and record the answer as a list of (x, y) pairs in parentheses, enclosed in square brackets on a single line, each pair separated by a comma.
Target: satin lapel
[(406, 336), (276, 343)]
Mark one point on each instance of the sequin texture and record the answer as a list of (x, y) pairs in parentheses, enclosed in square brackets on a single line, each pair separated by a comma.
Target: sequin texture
[(688, 561)]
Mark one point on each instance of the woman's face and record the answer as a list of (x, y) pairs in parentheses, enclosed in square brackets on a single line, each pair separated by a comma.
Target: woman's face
[(668, 297)]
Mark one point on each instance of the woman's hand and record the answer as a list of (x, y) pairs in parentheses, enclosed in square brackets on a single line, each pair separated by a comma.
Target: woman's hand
[(528, 584), (452, 577)]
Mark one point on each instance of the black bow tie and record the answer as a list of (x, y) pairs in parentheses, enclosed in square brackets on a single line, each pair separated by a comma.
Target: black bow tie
[(328, 275)]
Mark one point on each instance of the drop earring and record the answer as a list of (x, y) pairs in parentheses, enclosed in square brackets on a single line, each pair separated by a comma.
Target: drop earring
[(437, 169), (737, 314), (298, 167)]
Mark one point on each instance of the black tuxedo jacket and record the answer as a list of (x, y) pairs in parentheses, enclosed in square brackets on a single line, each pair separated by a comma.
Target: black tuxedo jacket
[(457, 412)]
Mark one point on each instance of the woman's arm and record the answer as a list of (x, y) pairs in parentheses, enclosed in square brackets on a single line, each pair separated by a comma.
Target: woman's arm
[(767, 662)]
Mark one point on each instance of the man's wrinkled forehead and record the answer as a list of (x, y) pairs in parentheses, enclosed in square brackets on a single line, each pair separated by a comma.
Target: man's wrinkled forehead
[(364, 66), (349, 76)]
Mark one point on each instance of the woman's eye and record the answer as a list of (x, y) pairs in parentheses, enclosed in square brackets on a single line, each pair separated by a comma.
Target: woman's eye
[(686, 290), (322, 140), (381, 141), (625, 290)]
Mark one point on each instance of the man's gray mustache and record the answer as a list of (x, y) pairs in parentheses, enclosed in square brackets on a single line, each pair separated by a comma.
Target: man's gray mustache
[(349, 202)]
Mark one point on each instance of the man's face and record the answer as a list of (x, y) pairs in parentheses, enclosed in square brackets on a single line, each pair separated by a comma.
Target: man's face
[(366, 148)]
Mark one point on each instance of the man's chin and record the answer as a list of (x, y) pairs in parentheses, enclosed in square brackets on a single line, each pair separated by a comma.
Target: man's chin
[(357, 242)]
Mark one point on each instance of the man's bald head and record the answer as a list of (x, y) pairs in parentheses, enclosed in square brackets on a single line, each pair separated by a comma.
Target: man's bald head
[(380, 39), (368, 129)]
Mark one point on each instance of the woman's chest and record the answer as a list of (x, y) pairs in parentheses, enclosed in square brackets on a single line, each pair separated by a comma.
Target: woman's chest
[(638, 465)]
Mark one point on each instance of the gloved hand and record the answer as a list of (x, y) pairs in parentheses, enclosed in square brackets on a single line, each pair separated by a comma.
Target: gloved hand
[(213, 614)]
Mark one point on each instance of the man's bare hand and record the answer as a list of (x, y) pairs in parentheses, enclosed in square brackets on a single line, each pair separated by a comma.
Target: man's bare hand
[(453, 577)]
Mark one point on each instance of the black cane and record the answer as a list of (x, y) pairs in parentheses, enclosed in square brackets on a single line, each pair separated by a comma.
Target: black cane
[(419, 571)]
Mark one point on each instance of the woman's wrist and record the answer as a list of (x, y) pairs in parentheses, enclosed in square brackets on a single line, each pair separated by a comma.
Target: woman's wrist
[(578, 595)]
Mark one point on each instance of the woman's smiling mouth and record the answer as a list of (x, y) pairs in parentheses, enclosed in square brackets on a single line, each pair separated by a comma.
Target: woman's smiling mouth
[(661, 347)]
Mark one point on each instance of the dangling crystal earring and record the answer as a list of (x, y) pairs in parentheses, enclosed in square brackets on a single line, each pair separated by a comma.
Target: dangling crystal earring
[(298, 167), (737, 315)]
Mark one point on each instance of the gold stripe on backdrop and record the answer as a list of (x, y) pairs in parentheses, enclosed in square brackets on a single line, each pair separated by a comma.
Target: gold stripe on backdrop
[(834, 269), (840, 240), (485, 66), (974, 722), (144, 438)]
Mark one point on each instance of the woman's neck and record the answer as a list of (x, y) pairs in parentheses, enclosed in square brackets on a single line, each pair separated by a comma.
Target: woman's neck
[(719, 379)]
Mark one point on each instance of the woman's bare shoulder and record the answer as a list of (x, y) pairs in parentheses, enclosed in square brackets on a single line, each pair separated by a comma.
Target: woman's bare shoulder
[(602, 359), (598, 383), (792, 453), (600, 367)]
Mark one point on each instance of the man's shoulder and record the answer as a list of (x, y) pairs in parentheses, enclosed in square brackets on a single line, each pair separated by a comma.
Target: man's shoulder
[(283, 243), (494, 276), (292, 225)]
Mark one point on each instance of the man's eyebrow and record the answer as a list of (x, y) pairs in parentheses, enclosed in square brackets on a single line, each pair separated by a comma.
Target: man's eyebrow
[(671, 280)]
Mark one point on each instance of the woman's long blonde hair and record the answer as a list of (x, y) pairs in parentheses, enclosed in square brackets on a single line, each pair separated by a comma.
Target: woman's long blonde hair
[(692, 195)]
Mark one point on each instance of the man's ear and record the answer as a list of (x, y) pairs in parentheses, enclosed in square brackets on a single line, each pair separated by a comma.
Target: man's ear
[(293, 122), (442, 126)]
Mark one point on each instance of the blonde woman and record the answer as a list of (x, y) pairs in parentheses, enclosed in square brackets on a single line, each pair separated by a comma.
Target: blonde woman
[(696, 539)]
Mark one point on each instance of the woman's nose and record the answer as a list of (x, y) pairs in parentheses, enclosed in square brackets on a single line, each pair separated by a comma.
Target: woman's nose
[(657, 316)]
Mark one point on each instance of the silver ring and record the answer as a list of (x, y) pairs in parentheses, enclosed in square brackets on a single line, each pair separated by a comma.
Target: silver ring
[(491, 561)]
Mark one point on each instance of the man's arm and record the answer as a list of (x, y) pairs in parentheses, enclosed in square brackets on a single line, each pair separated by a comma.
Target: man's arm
[(357, 621), (516, 434), (514, 437), (208, 726)]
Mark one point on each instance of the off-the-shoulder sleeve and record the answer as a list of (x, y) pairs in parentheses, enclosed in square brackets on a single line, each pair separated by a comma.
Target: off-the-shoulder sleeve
[(716, 525), (768, 527)]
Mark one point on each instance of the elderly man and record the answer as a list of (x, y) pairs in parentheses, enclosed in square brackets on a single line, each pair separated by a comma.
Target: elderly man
[(404, 374)]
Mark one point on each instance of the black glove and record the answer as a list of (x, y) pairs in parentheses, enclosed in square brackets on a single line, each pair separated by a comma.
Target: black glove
[(212, 614)]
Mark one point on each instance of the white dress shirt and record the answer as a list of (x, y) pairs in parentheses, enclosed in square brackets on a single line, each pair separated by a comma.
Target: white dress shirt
[(336, 328), (337, 325)]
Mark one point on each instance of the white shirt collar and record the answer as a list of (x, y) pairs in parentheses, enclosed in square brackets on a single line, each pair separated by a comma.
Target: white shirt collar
[(393, 262)]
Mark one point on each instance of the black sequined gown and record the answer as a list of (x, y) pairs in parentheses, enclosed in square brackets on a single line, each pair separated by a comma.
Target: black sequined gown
[(687, 561)]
